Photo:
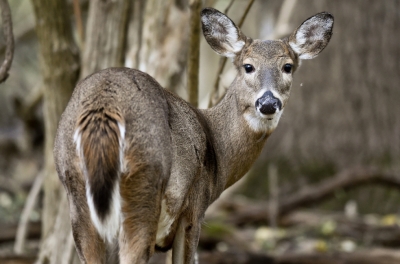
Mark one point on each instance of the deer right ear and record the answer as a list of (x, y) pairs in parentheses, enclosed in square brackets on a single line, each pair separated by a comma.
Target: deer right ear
[(221, 33), (311, 37)]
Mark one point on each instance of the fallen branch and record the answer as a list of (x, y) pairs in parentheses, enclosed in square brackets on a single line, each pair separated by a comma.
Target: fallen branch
[(26, 212), (255, 213)]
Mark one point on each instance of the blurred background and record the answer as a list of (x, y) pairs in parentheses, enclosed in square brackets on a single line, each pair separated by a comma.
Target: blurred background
[(327, 185)]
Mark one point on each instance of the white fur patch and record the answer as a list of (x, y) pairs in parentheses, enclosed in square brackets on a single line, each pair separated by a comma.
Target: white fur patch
[(107, 228), (300, 40), (164, 224), (287, 79), (258, 122), (122, 160), (232, 45), (79, 150), (77, 141)]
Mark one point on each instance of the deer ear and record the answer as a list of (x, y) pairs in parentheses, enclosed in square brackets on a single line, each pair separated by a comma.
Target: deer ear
[(221, 33), (311, 37)]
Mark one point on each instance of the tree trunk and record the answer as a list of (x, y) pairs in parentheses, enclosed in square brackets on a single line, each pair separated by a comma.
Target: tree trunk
[(105, 35), (105, 47), (159, 41), (60, 68), (194, 53)]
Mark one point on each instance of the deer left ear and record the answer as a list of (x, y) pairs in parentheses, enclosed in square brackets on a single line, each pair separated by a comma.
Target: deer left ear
[(312, 36), (221, 33)]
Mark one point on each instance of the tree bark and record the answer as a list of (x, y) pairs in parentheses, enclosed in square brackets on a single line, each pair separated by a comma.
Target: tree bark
[(194, 53), (105, 47), (59, 58), (106, 38), (159, 41)]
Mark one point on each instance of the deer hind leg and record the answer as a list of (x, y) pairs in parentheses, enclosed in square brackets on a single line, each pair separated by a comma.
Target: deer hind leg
[(140, 189), (185, 242), (88, 243)]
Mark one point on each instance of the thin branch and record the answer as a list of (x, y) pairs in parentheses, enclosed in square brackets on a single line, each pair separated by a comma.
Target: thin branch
[(26, 212), (274, 195), (194, 52), (8, 33), (316, 193), (78, 19), (228, 7), (214, 98), (246, 11), (282, 22), (344, 180)]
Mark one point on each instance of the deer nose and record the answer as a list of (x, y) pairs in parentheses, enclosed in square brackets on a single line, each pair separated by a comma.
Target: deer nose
[(268, 104)]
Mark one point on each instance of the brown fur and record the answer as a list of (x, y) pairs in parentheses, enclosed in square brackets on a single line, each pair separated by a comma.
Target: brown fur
[(141, 208)]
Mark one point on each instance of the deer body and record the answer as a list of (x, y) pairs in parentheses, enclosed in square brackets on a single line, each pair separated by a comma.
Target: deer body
[(141, 166)]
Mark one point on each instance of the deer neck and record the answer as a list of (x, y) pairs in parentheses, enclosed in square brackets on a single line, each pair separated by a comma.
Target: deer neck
[(235, 144)]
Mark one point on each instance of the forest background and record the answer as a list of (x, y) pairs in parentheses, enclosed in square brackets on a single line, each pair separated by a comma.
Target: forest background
[(326, 186)]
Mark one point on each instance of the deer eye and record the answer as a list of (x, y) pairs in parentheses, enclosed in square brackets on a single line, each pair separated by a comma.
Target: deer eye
[(248, 68), (287, 68)]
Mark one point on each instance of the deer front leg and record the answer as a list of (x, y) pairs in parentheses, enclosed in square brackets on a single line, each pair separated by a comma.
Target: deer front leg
[(185, 242)]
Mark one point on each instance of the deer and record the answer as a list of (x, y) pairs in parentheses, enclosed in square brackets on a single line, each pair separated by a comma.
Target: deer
[(140, 165)]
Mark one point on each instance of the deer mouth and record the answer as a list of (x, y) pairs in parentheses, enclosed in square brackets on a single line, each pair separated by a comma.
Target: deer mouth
[(260, 122), (267, 117)]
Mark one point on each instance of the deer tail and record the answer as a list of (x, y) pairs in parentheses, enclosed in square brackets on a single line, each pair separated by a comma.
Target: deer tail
[(99, 138)]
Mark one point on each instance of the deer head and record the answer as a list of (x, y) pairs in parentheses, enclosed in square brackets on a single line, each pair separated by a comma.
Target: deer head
[(265, 67)]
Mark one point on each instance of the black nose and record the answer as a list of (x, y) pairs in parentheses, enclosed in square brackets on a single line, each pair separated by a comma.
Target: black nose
[(268, 103)]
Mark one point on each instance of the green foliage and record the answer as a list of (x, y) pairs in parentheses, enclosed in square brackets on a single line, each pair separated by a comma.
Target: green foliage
[(217, 229)]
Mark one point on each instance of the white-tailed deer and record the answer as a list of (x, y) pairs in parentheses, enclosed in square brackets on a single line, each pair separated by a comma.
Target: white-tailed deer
[(141, 166)]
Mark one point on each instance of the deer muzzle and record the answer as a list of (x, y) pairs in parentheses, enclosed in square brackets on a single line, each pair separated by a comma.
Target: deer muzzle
[(268, 104)]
